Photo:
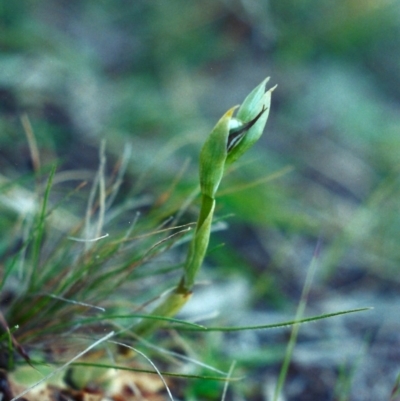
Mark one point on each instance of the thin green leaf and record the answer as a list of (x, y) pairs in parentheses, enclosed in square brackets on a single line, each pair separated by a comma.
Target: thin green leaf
[(171, 374), (282, 324)]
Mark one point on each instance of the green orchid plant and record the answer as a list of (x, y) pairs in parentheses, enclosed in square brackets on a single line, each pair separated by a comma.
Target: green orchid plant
[(228, 141)]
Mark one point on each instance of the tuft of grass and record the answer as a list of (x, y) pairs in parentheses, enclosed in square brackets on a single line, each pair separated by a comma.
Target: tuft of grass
[(69, 287)]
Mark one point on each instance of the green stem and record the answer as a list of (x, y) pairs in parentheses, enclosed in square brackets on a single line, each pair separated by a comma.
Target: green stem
[(199, 244), (183, 291)]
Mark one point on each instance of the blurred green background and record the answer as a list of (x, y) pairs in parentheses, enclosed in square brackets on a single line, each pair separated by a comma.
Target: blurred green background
[(158, 74)]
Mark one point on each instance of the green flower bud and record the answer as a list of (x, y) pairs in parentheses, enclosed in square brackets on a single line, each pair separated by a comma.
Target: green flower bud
[(232, 137), (248, 126)]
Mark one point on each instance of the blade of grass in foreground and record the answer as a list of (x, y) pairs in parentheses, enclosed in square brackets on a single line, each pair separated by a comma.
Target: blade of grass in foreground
[(164, 373), (277, 325)]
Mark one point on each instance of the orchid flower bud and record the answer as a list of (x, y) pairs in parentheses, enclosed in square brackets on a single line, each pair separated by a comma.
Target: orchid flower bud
[(232, 137), (249, 123)]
